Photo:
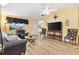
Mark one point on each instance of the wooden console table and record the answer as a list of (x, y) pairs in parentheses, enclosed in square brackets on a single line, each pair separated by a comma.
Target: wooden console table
[(54, 34)]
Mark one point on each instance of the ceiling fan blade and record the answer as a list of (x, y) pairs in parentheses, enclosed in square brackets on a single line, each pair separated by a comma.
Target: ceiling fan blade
[(52, 10)]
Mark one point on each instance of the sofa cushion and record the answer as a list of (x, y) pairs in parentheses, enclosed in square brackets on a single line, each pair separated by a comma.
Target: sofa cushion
[(12, 38)]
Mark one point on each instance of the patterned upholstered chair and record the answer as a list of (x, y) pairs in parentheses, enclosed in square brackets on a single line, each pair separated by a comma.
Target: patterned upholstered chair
[(71, 36)]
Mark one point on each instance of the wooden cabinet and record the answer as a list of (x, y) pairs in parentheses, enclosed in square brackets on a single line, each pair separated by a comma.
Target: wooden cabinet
[(54, 34)]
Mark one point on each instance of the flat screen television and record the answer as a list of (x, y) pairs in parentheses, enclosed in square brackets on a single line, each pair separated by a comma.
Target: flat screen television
[(55, 26)]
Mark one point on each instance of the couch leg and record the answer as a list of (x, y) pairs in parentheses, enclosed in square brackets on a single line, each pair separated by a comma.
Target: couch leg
[(23, 53)]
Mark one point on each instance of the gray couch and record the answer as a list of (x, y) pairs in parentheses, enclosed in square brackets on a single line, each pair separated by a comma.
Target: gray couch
[(16, 47)]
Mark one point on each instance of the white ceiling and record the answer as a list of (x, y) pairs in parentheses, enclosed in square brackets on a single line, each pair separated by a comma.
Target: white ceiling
[(31, 10)]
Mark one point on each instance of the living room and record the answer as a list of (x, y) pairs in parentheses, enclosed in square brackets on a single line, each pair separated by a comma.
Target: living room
[(54, 18)]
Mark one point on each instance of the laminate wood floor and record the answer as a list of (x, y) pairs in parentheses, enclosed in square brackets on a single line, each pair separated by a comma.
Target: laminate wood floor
[(51, 47)]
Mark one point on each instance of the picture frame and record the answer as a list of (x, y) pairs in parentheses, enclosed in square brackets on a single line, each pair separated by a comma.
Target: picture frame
[(67, 22)]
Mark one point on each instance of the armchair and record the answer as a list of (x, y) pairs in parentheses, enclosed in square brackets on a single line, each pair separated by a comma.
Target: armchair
[(71, 35), (21, 33)]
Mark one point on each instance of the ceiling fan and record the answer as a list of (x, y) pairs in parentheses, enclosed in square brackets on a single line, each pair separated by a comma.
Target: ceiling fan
[(47, 10)]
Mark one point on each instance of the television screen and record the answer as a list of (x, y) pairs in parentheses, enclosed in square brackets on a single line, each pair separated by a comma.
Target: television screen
[(54, 26)]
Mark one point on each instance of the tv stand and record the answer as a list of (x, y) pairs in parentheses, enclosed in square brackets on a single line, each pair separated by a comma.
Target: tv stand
[(54, 34)]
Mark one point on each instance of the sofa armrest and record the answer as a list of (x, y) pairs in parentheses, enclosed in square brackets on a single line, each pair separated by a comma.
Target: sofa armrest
[(13, 43)]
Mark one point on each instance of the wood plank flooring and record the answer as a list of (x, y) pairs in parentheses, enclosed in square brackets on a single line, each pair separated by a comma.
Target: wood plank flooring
[(51, 47)]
